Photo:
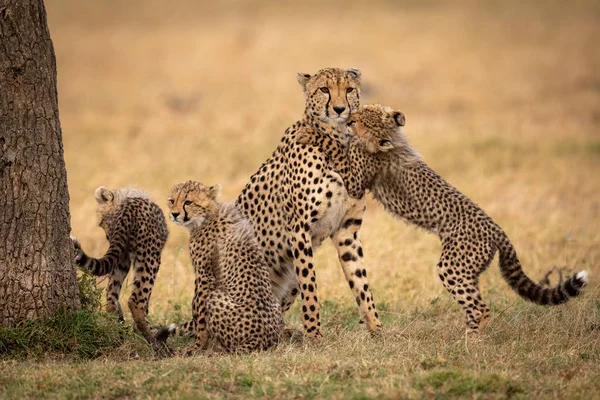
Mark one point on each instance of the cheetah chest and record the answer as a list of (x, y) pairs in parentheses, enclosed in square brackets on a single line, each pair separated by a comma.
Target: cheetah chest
[(332, 210)]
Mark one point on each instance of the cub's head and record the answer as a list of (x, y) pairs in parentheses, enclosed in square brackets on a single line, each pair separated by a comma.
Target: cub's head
[(191, 203), (332, 94), (378, 128), (109, 200)]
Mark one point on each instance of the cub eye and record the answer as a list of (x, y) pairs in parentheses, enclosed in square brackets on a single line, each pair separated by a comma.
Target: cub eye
[(350, 123), (324, 89), (350, 90), (385, 143), (187, 203)]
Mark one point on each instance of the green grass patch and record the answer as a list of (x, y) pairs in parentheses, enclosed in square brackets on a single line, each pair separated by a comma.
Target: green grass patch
[(459, 383), (82, 334)]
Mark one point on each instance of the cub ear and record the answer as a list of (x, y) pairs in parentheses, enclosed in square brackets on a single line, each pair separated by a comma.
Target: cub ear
[(303, 79), (214, 191), (399, 118), (103, 195), (355, 73)]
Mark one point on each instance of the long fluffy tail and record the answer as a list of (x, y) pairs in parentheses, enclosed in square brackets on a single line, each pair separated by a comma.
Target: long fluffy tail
[(99, 266), (189, 328), (528, 289)]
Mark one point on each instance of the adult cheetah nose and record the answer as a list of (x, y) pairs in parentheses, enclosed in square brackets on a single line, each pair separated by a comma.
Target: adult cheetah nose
[(175, 215), (339, 110)]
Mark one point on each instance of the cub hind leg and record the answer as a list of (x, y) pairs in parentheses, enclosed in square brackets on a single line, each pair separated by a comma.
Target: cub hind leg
[(113, 289), (460, 276), (146, 268)]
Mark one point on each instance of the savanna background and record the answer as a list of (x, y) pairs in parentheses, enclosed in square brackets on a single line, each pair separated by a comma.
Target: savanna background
[(502, 99)]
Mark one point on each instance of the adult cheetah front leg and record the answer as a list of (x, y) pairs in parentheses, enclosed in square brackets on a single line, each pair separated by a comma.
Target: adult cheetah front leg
[(307, 278), (349, 248)]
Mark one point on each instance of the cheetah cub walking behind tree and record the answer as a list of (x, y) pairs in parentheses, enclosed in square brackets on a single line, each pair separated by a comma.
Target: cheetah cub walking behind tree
[(379, 158), (233, 302), (137, 231)]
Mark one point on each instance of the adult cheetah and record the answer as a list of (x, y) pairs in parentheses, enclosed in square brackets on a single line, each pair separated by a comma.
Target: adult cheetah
[(296, 200), (233, 302), (137, 232), (379, 158)]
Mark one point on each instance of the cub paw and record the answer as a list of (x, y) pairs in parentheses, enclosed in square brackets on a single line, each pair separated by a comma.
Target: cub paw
[(77, 249), (305, 138)]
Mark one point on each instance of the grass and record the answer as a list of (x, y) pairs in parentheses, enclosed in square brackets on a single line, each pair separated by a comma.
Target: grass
[(70, 335), (501, 99)]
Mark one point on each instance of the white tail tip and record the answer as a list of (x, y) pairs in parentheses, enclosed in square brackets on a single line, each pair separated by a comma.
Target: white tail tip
[(583, 276), (172, 328)]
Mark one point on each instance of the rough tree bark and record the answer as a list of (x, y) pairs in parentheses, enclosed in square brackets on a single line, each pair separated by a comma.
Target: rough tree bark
[(37, 272)]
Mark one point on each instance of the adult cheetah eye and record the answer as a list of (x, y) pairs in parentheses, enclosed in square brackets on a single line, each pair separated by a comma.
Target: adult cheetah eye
[(350, 90), (171, 201), (324, 89), (187, 203), (350, 123)]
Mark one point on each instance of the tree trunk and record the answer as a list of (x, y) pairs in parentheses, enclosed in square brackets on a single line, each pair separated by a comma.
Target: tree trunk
[(37, 270)]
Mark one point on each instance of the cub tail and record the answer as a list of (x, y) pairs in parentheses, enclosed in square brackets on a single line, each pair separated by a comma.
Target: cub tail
[(189, 328), (98, 266), (513, 273)]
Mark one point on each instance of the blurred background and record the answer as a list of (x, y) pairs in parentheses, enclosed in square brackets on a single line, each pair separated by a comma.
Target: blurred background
[(501, 98)]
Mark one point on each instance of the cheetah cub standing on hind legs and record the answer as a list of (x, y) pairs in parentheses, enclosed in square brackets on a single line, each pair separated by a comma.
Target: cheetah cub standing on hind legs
[(137, 232), (379, 158), (233, 302)]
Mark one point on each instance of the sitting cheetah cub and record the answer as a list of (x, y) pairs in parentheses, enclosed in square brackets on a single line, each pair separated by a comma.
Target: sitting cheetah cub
[(380, 159), (234, 302), (137, 232)]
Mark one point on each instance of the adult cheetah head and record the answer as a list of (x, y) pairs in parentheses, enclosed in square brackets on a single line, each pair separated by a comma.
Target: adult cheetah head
[(191, 203), (332, 94)]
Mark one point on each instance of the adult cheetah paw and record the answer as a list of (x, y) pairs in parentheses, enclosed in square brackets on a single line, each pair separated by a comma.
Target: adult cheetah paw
[(375, 329), (315, 335)]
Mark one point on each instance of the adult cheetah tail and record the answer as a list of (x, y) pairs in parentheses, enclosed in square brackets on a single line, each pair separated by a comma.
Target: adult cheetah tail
[(530, 290), (98, 266)]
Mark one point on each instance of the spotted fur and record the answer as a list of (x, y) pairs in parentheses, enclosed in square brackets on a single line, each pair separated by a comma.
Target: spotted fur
[(137, 232), (380, 159), (234, 303), (296, 200)]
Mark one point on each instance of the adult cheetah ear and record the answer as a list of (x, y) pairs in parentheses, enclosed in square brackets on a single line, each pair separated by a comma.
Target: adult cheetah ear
[(214, 191), (103, 195), (355, 73), (399, 118), (303, 79)]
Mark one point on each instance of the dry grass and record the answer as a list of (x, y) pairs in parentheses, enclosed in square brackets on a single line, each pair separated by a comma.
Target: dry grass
[(502, 100)]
